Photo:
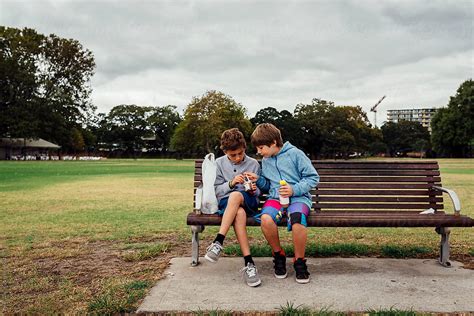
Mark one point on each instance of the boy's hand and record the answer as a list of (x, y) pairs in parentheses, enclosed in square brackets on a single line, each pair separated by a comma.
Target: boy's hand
[(238, 179), (286, 190), (252, 176), (254, 187)]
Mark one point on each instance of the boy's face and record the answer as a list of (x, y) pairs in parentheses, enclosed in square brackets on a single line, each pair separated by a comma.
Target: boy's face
[(268, 151), (235, 156)]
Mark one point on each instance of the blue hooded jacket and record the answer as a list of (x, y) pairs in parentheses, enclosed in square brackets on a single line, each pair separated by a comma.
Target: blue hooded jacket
[(291, 165)]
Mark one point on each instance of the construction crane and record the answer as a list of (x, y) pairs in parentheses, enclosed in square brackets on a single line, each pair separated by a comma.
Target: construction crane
[(374, 109)]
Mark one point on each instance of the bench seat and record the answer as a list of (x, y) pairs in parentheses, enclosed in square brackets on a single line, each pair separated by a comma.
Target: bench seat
[(356, 219)]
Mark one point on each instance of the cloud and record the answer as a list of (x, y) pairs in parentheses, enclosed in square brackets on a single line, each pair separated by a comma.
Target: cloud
[(265, 53)]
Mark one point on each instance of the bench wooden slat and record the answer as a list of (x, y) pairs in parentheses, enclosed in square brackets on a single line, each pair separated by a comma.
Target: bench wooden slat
[(323, 185), (381, 166), (359, 220), (374, 162), (371, 212), (365, 185), (367, 179), (379, 192), (380, 179), (373, 173), (429, 194), (393, 206), (324, 164), (434, 203), (377, 199), (368, 172)]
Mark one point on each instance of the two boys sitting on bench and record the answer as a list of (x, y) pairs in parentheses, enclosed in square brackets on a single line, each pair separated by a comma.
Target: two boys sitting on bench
[(281, 161)]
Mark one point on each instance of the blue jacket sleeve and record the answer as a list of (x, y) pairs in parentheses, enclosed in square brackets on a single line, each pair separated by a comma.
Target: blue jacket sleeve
[(309, 175), (262, 183)]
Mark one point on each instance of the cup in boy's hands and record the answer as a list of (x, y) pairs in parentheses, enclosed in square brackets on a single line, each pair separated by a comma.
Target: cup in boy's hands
[(247, 184)]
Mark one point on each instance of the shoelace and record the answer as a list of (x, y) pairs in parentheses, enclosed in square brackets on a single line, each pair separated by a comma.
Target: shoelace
[(215, 248), (250, 270)]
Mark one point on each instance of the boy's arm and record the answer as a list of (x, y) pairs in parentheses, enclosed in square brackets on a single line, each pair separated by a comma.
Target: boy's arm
[(309, 175), (257, 170), (221, 186), (262, 183)]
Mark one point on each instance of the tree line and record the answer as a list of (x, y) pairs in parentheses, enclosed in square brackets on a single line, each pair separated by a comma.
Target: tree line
[(45, 92)]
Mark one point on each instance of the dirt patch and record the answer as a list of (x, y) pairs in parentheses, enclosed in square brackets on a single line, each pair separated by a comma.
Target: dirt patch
[(80, 269), (467, 260), (104, 259)]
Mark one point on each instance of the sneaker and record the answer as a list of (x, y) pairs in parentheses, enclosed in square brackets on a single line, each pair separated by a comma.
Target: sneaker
[(213, 252), (302, 274), (279, 263), (251, 275)]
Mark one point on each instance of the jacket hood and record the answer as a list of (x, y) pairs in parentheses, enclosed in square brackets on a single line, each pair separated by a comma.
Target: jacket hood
[(286, 147)]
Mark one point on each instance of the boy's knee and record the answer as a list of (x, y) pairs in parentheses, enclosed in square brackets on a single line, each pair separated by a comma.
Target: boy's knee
[(236, 196), (266, 220)]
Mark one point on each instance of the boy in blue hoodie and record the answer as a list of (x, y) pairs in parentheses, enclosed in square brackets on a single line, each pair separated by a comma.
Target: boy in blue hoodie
[(284, 162)]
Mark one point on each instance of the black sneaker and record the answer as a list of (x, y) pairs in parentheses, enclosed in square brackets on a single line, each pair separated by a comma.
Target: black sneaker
[(279, 263), (302, 274)]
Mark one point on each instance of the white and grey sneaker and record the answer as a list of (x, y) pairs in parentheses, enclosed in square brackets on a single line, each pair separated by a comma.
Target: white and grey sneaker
[(214, 252), (251, 275)]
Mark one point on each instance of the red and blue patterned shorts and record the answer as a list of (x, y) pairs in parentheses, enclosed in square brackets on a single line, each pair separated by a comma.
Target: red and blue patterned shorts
[(277, 212)]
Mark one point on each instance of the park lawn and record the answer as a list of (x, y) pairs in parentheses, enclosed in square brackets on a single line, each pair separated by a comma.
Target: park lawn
[(93, 236)]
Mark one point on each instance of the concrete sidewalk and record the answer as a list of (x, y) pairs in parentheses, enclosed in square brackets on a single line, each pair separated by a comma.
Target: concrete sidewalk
[(337, 284)]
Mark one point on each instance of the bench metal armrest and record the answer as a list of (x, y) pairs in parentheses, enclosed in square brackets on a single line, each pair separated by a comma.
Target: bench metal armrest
[(453, 196)]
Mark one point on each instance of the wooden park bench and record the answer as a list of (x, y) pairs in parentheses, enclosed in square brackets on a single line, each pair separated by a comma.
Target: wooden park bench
[(367, 194)]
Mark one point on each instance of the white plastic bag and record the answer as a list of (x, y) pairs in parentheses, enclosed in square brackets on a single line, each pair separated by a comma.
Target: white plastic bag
[(198, 198), (428, 211), (209, 201)]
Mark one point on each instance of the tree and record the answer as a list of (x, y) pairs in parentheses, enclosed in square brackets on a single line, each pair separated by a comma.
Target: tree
[(333, 131), (126, 125), (44, 85), (90, 137), (405, 136), (284, 120), (313, 119), (77, 140), (204, 121), (266, 115), (352, 132), (453, 127), (163, 122)]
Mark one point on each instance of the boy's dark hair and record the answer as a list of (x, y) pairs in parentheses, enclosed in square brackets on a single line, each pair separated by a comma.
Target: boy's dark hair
[(266, 134), (232, 139)]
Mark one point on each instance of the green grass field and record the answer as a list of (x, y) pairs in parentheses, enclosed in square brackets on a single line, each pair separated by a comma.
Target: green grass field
[(91, 236)]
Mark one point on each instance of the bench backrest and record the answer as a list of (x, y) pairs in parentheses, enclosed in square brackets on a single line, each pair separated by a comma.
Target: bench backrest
[(371, 185)]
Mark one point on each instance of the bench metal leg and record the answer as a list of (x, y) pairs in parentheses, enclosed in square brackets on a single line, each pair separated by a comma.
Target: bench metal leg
[(196, 229), (444, 246)]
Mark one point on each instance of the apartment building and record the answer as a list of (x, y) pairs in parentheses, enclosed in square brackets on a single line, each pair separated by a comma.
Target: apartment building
[(423, 116)]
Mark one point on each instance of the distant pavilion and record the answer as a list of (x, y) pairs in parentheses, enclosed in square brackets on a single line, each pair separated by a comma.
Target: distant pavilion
[(18, 147)]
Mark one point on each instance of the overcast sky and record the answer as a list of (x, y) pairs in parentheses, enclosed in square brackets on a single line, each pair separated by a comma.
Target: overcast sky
[(265, 53)]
